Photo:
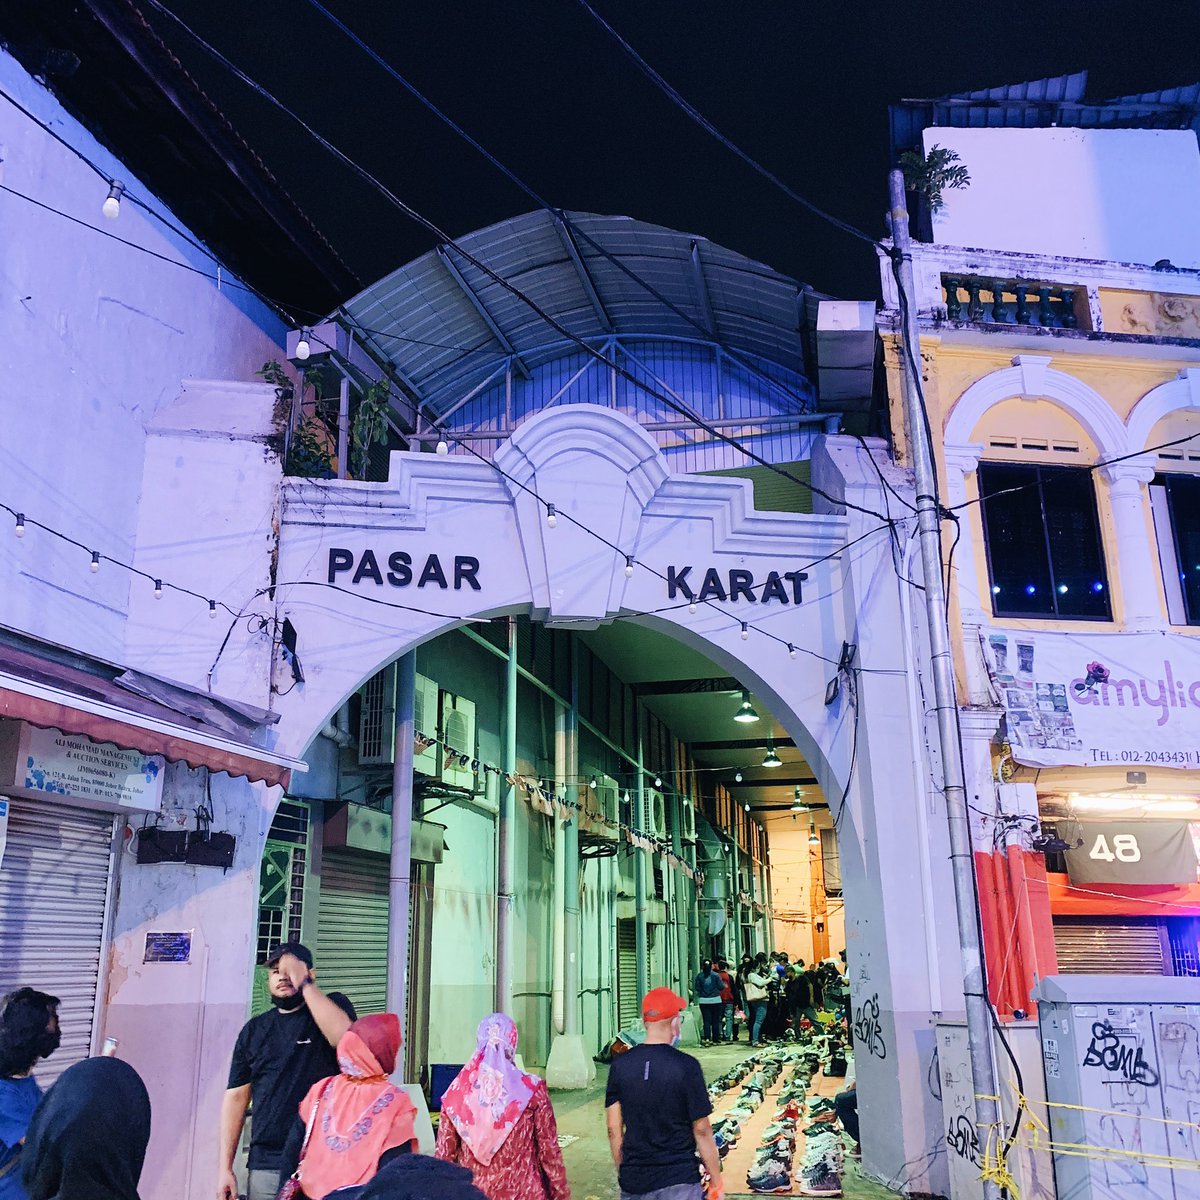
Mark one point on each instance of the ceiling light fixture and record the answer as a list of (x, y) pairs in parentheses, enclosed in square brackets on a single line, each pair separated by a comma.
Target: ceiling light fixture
[(772, 759), (745, 713), (813, 839)]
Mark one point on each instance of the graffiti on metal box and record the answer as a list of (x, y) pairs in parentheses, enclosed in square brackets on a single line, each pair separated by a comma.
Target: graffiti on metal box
[(1107, 1052), (867, 1030), (962, 1138)]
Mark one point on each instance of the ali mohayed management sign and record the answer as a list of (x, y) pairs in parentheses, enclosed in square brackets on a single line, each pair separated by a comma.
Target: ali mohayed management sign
[(1123, 699)]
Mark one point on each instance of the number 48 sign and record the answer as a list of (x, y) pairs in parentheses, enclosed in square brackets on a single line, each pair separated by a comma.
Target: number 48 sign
[(1146, 851)]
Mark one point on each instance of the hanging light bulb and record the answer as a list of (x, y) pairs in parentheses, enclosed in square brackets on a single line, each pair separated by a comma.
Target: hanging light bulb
[(303, 349), (94, 565), (746, 806), (772, 759), (158, 589), (443, 449), (692, 607), (737, 777), (592, 783), (813, 839), (20, 527), (658, 781), (111, 208), (791, 650), (745, 714), (629, 566), (745, 631), (212, 610), (551, 516)]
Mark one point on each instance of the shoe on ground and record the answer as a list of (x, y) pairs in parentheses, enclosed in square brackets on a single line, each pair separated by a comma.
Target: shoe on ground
[(819, 1180), (816, 1105), (772, 1175)]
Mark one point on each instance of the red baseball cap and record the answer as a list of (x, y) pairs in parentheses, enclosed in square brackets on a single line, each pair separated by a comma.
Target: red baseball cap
[(661, 1004)]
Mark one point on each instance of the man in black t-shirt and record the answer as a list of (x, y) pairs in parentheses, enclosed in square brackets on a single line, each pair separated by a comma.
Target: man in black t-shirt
[(658, 1109), (279, 1055)]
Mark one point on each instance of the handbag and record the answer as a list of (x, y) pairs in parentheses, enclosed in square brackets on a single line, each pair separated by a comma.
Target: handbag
[(291, 1189)]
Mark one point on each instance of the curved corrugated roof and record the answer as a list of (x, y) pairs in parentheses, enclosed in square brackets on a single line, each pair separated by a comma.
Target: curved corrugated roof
[(443, 324)]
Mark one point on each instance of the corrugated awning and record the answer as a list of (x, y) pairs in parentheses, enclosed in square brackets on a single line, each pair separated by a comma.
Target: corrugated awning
[(139, 712)]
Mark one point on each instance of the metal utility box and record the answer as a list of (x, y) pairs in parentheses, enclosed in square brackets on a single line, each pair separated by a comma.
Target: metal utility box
[(1122, 1052)]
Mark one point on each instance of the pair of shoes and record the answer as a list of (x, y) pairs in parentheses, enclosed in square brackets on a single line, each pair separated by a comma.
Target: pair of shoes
[(820, 1179), (816, 1105)]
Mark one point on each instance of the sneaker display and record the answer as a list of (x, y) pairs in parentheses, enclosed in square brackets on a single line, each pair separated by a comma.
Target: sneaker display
[(773, 1176), (820, 1179)]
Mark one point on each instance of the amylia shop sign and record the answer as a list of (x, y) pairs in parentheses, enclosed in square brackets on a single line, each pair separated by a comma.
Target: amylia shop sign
[(1129, 699)]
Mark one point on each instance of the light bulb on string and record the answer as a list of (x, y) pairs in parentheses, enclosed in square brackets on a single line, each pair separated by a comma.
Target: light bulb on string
[(692, 607), (629, 566), (745, 631), (791, 650), (94, 565), (737, 777), (303, 349), (658, 781), (158, 589), (212, 610), (592, 783), (20, 526), (111, 208), (746, 806), (551, 516), (443, 448)]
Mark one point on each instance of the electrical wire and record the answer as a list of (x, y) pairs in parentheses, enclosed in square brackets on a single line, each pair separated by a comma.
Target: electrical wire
[(700, 119)]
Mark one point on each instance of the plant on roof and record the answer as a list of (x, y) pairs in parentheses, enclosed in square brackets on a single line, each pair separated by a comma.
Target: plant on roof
[(309, 449), (934, 173), (369, 427)]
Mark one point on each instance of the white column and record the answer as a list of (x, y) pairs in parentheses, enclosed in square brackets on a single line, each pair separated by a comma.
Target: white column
[(1136, 565), (961, 463)]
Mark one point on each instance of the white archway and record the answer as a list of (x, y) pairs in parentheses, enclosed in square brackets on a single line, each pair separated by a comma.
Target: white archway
[(1179, 394)]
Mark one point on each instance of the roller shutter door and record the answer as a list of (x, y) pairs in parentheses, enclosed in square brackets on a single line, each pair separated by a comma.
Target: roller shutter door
[(54, 881), (1109, 946), (628, 1013), (352, 928)]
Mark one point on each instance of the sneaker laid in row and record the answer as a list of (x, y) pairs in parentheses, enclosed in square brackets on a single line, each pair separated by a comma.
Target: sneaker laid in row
[(773, 1177), (820, 1179), (816, 1105)]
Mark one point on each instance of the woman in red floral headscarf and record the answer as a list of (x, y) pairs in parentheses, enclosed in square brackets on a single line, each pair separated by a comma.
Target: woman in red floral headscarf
[(497, 1121), (360, 1119)]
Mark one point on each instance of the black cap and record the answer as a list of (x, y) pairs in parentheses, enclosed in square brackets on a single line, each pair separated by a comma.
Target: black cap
[(303, 953)]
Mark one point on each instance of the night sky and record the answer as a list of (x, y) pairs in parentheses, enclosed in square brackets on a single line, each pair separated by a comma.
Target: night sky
[(802, 85)]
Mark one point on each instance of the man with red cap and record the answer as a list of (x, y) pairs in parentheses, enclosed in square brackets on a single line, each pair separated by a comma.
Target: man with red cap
[(658, 1109)]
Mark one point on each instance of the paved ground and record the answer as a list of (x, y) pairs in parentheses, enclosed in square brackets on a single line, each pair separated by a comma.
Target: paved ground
[(589, 1166)]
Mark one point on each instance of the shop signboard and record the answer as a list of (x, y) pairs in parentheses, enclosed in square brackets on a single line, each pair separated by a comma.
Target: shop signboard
[(71, 767), (1153, 851), (1099, 700)]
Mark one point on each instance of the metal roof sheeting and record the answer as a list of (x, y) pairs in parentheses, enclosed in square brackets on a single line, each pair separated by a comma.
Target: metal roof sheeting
[(425, 317)]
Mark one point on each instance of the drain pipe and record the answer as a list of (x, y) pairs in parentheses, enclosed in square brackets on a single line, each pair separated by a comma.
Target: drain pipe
[(560, 916), (400, 863), (506, 829), (641, 941), (338, 729), (570, 840)]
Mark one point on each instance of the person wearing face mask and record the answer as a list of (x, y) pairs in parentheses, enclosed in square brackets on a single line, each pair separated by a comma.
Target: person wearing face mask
[(28, 1033), (278, 1057), (657, 1109)]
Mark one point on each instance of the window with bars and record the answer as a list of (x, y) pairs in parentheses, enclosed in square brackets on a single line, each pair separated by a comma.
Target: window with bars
[(1176, 504), (1042, 533), (282, 877)]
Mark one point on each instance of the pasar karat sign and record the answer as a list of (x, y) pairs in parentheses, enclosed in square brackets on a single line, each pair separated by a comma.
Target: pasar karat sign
[(401, 569)]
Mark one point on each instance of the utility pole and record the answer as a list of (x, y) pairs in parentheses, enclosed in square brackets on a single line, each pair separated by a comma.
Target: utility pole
[(979, 1019)]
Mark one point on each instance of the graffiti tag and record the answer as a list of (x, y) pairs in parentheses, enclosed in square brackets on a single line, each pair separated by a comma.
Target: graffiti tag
[(1107, 1052), (867, 1029), (963, 1139)]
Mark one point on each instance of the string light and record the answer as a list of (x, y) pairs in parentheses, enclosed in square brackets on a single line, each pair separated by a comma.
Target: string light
[(551, 516), (443, 449), (20, 527), (745, 631), (629, 566), (658, 781), (212, 610), (791, 650), (692, 608), (111, 208), (737, 778), (94, 565), (158, 589), (592, 783), (303, 349)]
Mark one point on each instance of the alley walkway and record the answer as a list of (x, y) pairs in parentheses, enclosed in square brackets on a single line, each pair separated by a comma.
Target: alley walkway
[(589, 1167)]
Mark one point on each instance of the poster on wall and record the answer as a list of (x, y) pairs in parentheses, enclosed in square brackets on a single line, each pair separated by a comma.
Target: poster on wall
[(1125, 852), (1100, 700)]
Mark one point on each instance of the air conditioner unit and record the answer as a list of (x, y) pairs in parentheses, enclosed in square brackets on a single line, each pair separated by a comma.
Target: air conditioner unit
[(656, 813), (687, 821), (425, 720), (458, 730), (377, 719)]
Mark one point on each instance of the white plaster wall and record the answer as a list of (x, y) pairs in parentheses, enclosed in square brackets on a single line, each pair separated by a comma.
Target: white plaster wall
[(94, 339), (1128, 195)]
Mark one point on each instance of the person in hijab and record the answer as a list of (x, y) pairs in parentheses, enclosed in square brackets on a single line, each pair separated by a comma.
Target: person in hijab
[(497, 1121), (28, 1032), (359, 1120), (88, 1137)]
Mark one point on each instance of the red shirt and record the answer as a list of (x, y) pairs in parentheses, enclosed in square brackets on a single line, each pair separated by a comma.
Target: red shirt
[(726, 987)]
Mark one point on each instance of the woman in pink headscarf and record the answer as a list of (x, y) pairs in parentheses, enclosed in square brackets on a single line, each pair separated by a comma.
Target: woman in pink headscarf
[(497, 1121)]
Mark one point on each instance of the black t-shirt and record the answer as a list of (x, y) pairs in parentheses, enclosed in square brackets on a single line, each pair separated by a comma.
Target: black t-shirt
[(280, 1055), (661, 1093)]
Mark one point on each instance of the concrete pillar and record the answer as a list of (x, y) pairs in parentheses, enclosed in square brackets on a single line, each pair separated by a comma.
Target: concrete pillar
[(1136, 561)]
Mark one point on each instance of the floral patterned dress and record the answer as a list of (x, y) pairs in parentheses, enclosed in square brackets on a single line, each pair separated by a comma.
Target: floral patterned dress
[(528, 1166)]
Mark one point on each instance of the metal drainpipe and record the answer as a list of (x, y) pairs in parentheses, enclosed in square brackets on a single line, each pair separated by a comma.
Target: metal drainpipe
[(559, 948), (679, 895), (506, 829), (639, 870), (735, 869), (570, 832), (979, 1018), (343, 433), (400, 863)]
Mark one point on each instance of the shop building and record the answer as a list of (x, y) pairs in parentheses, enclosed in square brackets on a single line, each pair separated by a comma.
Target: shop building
[(1061, 357)]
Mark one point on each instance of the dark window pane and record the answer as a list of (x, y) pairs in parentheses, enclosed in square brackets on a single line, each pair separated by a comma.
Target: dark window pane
[(1183, 494), (1018, 560), (1076, 558), (1043, 541)]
